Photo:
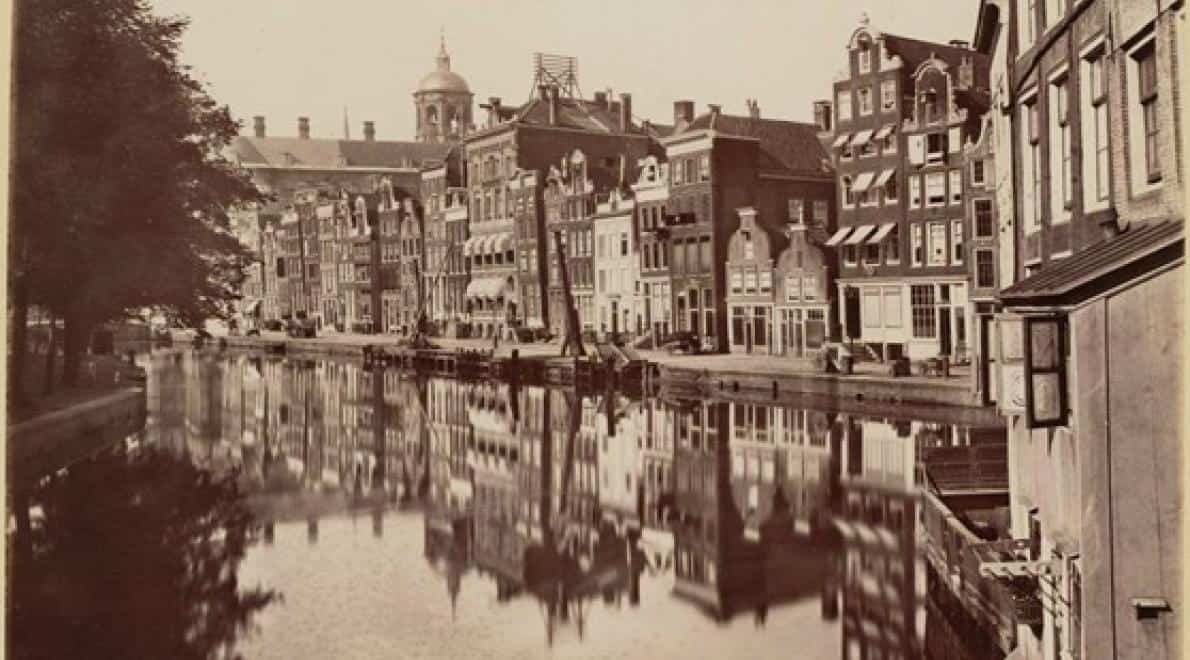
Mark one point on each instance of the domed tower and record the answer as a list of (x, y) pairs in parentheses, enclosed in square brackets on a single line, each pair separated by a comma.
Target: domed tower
[(443, 103)]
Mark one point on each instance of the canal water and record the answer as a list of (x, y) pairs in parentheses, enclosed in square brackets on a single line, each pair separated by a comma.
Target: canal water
[(290, 508)]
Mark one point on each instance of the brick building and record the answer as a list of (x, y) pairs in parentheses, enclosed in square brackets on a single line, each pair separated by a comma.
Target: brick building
[(902, 110), (529, 139), (1096, 156), (719, 163)]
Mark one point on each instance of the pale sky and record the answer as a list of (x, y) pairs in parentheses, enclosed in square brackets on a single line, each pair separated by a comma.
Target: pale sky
[(284, 59)]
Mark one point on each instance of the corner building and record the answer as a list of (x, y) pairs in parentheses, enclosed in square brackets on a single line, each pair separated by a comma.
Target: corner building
[(902, 111)]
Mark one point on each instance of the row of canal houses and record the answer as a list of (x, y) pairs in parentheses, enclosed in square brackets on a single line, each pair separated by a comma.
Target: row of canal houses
[(1014, 201)]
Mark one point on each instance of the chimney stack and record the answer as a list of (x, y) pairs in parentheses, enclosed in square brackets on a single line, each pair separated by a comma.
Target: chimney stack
[(553, 102), (625, 112), (258, 125), (369, 131), (714, 109), (683, 113), (601, 99), (304, 128), (822, 115)]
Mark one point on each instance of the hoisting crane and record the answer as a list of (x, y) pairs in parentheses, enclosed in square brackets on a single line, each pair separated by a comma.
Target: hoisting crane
[(573, 340), (421, 333)]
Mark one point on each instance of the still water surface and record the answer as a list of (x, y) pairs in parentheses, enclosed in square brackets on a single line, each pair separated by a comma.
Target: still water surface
[(403, 516)]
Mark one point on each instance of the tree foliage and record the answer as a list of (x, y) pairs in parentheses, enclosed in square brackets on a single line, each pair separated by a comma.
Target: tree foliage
[(121, 185)]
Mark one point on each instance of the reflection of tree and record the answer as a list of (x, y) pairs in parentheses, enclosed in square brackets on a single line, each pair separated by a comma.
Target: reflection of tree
[(136, 557)]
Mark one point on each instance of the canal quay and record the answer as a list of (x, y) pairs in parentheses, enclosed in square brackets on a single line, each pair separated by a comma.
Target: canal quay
[(436, 344)]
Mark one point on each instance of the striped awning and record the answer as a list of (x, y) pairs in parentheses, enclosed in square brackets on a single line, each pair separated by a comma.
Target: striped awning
[(861, 232), (861, 138), (863, 182), (486, 287), (841, 140), (884, 131), (881, 232), (501, 242), (837, 237)]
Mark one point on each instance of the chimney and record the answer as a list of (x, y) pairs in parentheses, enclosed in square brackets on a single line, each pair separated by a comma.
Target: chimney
[(714, 109), (822, 115), (553, 101), (258, 125), (369, 131), (753, 109), (601, 99), (625, 112), (683, 113), (493, 108), (304, 128)]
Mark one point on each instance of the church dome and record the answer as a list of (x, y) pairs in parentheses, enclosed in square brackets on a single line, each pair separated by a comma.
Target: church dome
[(443, 79)]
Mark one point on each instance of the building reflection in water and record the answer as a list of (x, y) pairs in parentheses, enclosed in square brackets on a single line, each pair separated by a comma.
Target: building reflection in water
[(568, 499)]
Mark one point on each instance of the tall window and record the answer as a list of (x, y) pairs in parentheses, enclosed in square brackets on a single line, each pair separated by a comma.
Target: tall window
[(1031, 166), (1146, 62), (914, 191), (796, 212), (935, 147), (844, 105), (985, 269), (1094, 121), (888, 95), (918, 246), (1030, 23), (749, 247), (956, 186), (978, 172), (937, 236), (865, 58), (935, 189), (820, 210), (848, 193), (892, 247), (956, 242), (1060, 150), (865, 100), (704, 167), (704, 249), (983, 218), (890, 190), (921, 302)]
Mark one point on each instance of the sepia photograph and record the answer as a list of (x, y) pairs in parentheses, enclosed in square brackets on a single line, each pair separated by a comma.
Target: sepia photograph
[(524, 329)]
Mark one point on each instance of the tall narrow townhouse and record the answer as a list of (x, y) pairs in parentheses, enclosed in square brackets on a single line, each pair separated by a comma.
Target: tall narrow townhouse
[(651, 191), (903, 109), (436, 182)]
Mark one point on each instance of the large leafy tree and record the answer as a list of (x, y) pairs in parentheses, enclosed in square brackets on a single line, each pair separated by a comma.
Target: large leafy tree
[(120, 183)]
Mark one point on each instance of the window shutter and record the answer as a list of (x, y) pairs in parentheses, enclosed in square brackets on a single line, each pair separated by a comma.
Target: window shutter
[(956, 140), (917, 149)]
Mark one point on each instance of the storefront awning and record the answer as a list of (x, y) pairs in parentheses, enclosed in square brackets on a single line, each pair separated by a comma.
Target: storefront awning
[(881, 233), (837, 237), (884, 131), (884, 177), (861, 138), (861, 232), (502, 242), (841, 140), (486, 287), (863, 182)]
